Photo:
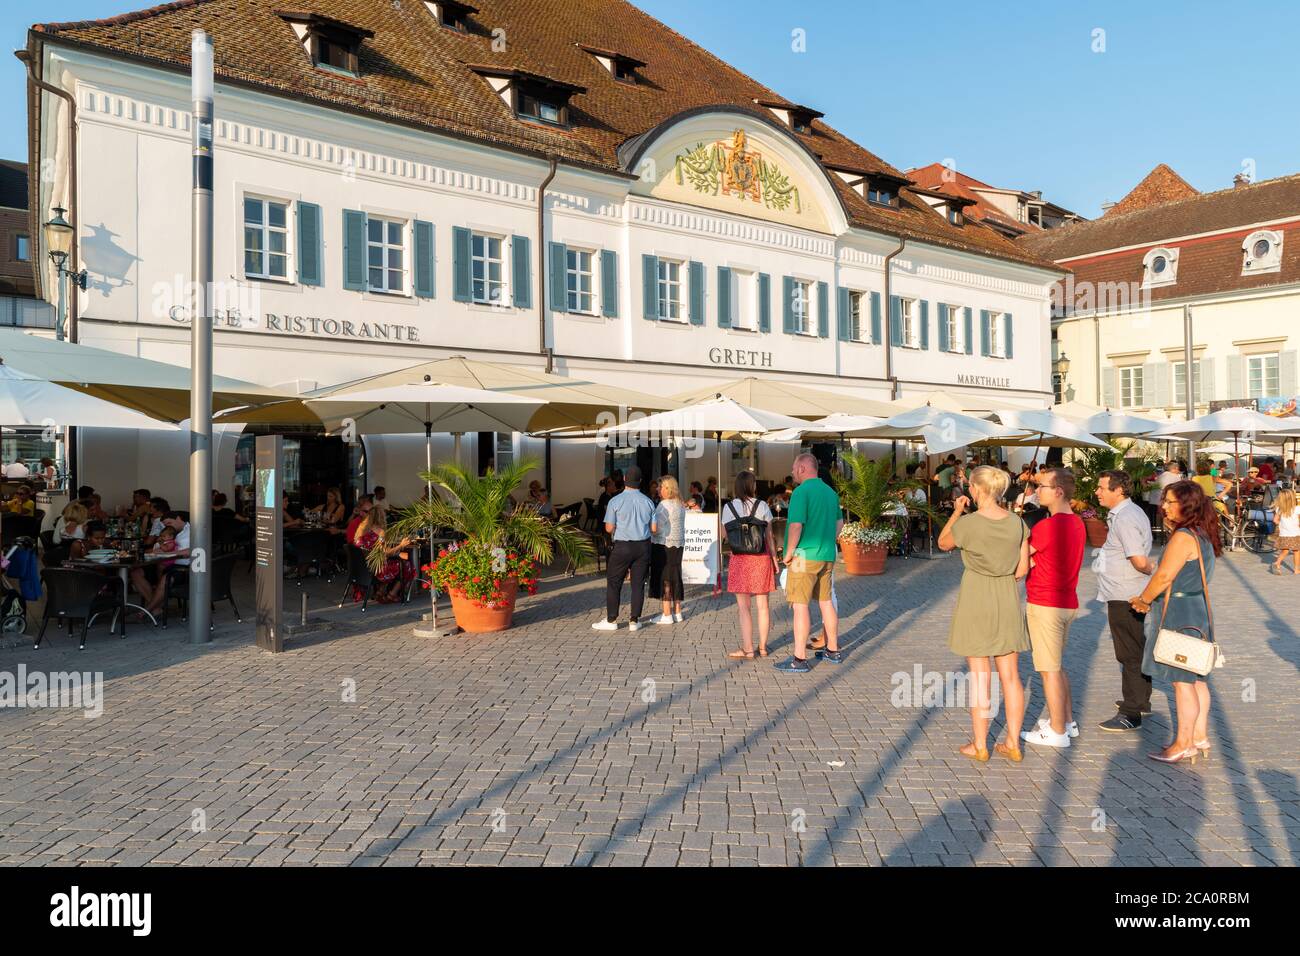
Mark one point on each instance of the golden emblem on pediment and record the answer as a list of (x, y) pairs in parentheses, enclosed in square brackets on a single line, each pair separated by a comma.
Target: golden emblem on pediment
[(733, 169)]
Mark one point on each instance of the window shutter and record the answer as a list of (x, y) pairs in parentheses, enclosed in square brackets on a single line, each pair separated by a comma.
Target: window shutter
[(895, 320), (424, 259), (969, 331), (1008, 324), (559, 277), (787, 305), (984, 332), (944, 344), (877, 335), (724, 297), (1286, 372), (696, 281), (925, 323), (311, 251), (1207, 380), (354, 249), (521, 286), (650, 287), (1151, 397), (1108, 387), (1236, 377), (1164, 382), (823, 310), (609, 283), (764, 302), (461, 267), (845, 306)]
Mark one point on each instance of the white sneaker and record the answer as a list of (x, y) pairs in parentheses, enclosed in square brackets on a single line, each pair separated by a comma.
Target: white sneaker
[(1071, 729), (663, 619), (634, 625), (678, 616), (604, 625), (1046, 737)]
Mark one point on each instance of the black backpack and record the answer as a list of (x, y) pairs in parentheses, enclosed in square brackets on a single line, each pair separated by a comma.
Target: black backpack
[(746, 534)]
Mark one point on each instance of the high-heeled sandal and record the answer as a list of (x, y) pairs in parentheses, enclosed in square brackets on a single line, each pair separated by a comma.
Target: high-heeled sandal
[(1014, 754), (1202, 745), (1191, 753), (981, 754)]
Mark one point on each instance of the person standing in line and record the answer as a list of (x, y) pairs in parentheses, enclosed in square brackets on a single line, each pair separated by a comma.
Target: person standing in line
[(1123, 569), (988, 623), (751, 575), (810, 541), (629, 520), (1056, 545), (666, 543), (1287, 513)]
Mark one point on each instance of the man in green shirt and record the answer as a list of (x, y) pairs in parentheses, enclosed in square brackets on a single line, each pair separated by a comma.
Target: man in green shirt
[(810, 542)]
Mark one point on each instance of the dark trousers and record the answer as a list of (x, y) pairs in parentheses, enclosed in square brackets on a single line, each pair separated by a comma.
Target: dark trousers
[(665, 573), (1127, 634), (625, 556)]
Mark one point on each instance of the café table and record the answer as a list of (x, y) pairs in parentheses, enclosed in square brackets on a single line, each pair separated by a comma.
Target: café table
[(123, 567)]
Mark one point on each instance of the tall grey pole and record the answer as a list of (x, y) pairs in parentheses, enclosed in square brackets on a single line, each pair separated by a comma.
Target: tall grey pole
[(1189, 381), (61, 322), (201, 80)]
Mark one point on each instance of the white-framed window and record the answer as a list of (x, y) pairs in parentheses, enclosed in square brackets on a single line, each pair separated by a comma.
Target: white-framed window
[(744, 298), (670, 290), (580, 281), (1180, 382), (803, 307), (997, 335), (1130, 387), (1160, 267), (911, 323), (266, 238), (1263, 375), (487, 269), (386, 255), (1262, 252), (504, 450), (22, 248), (859, 328), (955, 327)]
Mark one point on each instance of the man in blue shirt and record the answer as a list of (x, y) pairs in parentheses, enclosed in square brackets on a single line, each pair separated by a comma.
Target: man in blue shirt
[(629, 519)]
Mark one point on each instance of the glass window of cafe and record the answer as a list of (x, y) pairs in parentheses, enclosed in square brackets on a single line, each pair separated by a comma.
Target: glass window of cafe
[(30, 446), (313, 463)]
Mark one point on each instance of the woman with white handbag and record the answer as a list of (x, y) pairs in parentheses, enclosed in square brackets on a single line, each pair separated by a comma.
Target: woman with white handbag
[(1180, 647)]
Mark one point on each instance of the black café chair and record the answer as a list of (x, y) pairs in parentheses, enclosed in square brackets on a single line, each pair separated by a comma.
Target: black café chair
[(74, 595), (13, 527), (47, 540), (589, 521), (314, 548), (359, 576), (178, 588)]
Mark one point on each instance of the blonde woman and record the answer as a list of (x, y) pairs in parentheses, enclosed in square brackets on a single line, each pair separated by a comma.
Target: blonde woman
[(1288, 531), (667, 538), (71, 525), (988, 623)]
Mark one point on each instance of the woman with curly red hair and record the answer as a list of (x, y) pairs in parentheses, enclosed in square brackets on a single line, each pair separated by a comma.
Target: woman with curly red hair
[(1182, 580)]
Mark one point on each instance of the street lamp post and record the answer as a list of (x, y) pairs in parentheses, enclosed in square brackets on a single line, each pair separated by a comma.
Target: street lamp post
[(1061, 368), (58, 241)]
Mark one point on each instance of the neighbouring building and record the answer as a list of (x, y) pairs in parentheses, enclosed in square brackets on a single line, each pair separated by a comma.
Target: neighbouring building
[(1231, 256), (569, 185), (18, 303), (1011, 212)]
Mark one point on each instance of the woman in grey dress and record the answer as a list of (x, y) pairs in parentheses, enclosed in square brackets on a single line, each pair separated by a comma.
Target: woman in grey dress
[(1194, 533), (988, 623)]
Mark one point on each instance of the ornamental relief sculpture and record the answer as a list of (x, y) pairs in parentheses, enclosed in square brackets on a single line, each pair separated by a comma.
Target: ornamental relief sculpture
[(733, 169)]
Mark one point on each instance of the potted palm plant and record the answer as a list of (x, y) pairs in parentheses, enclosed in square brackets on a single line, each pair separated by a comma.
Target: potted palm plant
[(501, 542), (871, 495), (1088, 466)]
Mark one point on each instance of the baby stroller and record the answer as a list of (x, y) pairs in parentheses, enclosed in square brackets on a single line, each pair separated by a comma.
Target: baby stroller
[(20, 580)]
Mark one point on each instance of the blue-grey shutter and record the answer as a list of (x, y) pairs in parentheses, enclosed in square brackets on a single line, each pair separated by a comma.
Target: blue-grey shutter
[(764, 302), (354, 249), (609, 283), (944, 344), (925, 323), (461, 265), (424, 259), (787, 305), (968, 333), (311, 248), (877, 335), (895, 320), (695, 277), (650, 287), (558, 277), (1008, 325), (1108, 379), (1236, 377), (521, 260), (823, 310), (844, 307), (1286, 373), (724, 297), (1208, 393), (984, 332)]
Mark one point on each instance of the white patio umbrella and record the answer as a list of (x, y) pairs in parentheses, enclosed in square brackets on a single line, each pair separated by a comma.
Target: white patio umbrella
[(1048, 430), (1077, 411), (1109, 424), (940, 430)]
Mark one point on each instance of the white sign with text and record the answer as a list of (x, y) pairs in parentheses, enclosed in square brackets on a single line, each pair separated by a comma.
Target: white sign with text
[(700, 552)]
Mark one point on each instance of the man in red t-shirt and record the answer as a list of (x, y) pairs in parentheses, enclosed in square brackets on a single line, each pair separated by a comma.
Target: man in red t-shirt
[(1056, 555)]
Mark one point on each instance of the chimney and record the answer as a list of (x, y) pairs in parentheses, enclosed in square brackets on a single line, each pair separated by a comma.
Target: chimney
[(1239, 180), (1107, 206)]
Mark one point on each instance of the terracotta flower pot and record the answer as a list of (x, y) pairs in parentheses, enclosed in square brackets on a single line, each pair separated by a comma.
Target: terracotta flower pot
[(863, 559), (475, 618), (1097, 531)]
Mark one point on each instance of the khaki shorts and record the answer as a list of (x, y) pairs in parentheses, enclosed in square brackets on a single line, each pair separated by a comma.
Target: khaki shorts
[(811, 580), (1049, 627)]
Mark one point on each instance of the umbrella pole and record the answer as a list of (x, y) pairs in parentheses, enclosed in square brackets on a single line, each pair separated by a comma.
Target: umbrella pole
[(717, 583), (1236, 481), (428, 485)]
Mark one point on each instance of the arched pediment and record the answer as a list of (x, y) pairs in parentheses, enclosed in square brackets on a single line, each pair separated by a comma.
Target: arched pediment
[(735, 161)]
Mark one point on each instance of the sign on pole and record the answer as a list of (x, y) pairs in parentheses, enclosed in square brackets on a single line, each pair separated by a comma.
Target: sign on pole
[(700, 553), (268, 541)]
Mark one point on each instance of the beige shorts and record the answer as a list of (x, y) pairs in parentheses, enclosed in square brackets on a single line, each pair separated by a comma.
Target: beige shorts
[(1049, 628), (811, 581)]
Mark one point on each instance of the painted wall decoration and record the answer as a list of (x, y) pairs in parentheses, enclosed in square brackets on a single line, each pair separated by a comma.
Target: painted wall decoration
[(733, 169)]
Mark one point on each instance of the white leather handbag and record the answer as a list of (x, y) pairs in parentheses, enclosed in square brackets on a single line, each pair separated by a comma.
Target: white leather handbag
[(1197, 653)]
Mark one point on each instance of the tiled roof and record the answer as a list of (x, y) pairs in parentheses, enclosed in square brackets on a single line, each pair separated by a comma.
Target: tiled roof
[(944, 179), (417, 73), (1161, 185)]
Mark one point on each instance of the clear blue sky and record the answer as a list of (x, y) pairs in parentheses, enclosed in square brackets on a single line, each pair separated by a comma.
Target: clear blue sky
[(1011, 90)]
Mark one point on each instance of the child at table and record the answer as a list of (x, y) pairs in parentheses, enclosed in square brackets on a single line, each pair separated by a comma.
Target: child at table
[(1286, 510), (166, 544)]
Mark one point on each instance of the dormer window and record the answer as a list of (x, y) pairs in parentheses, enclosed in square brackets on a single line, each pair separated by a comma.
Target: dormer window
[(1160, 267), (537, 99), (538, 103), (333, 45), (1262, 251), (881, 193), (451, 14), (801, 121), (620, 66), (955, 217), (798, 118)]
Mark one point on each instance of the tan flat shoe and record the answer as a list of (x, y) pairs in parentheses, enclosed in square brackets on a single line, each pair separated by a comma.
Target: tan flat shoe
[(975, 753), (1014, 754)]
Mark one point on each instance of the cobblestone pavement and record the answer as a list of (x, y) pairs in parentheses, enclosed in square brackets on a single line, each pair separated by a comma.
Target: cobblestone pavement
[(553, 744)]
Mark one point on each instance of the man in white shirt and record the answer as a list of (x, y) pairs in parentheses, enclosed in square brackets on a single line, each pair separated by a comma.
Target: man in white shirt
[(17, 469)]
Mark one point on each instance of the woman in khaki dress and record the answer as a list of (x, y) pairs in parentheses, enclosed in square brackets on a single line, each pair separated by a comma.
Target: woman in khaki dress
[(989, 621)]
